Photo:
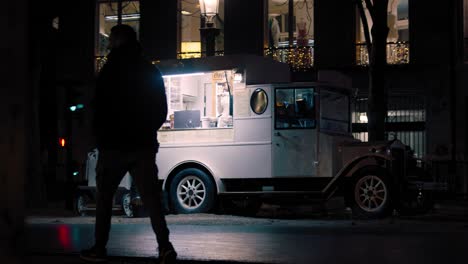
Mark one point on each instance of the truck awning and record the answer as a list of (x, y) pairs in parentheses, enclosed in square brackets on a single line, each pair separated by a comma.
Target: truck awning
[(256, 69)]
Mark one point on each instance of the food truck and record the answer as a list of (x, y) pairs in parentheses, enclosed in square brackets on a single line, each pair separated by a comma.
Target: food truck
[(238, 129)]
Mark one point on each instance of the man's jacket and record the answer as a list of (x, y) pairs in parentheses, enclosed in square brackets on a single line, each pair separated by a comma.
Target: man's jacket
[(130, 102)]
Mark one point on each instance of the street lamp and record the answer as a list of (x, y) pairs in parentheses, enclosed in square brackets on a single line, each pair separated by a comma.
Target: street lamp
[(209, 9)]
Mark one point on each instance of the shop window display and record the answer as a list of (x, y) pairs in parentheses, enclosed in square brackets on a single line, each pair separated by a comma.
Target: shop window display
[(278, 23), (398, 39), (291, 32)]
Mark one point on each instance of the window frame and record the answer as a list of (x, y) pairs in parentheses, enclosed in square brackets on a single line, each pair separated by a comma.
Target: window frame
[(275, 115)]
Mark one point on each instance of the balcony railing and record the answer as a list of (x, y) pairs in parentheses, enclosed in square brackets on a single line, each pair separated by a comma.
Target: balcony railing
[(99, 61), (298, 58), (191, 55), (397, 53)]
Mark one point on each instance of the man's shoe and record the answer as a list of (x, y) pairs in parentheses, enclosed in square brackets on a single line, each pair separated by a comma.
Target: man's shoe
[(167, 255), (94, 254)]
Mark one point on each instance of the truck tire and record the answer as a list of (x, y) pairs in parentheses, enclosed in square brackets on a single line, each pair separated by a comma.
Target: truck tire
[(192, 191), (132, 206), (416, 202), (81, 203), (127, 207), (370, 193)]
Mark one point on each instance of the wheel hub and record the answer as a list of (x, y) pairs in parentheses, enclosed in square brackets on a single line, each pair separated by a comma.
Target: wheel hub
[(370, 193), (191, 192)]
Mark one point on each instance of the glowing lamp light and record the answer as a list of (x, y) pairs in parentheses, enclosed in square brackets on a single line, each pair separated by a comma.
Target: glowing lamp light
[(238, 77), (62, 142), (183, 74), (209, 9), (363, 118)]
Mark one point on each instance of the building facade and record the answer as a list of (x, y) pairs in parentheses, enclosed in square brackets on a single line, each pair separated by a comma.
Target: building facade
[(426, 55)]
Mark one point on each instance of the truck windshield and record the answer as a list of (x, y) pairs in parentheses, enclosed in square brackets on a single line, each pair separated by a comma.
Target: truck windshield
[(294, 108)]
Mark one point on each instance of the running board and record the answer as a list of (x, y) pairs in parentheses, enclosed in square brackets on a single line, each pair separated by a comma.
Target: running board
[(94, 209), (307, 194)]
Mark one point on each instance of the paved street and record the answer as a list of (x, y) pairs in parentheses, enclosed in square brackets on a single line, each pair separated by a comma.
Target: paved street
[(209, 237)]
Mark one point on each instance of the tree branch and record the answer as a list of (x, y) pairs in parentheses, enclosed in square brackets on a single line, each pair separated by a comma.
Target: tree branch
[(365, 25), (371, 8)]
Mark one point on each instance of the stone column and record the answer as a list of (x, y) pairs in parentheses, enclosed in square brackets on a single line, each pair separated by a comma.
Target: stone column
[(158, 29), (335, 23), (15, 120), (244, 34)]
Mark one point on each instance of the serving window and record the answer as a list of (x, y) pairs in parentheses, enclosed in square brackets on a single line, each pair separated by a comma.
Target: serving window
[(199, 101)]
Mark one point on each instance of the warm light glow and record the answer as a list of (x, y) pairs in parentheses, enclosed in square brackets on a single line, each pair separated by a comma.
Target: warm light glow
[(190, 49), (238, 77), (184, 12), (363, 118), (298, 58), (209, 8), (62, 142)]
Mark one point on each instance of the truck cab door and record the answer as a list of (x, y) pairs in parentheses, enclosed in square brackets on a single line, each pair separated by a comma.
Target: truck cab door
[(294, 132)]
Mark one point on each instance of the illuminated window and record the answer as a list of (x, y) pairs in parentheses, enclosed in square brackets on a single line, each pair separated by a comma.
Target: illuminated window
[(398, 39), (292, 44), (406, 120), (278, 23), (190, 50), (189, 28), (108, 17)]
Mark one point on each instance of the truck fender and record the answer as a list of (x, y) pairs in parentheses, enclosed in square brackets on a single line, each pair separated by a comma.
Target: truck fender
[(330, 189), (189, 164)]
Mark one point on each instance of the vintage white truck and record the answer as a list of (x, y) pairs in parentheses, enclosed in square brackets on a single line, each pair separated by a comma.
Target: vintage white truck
[(238, 130)]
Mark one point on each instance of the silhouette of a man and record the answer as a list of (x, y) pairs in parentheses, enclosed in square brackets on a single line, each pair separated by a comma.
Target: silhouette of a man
[(130, 106)]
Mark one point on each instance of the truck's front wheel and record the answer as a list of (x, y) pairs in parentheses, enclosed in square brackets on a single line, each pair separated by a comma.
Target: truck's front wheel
[(192, 191), (370, 193)]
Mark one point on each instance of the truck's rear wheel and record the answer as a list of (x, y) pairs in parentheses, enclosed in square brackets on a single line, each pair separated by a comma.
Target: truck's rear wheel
[(81, 204), (370, 193), (127, 207), (133, 206), (192, 191)]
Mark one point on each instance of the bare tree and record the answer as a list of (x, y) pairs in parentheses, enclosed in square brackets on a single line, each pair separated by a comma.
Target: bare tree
[(376, 42)]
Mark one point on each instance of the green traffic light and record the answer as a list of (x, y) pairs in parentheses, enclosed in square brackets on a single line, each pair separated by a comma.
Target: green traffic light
[(73, 108)]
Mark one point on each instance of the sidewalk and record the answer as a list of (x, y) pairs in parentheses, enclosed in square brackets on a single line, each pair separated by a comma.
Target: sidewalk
[(453, 207), (334, 209), (74, 259), (335, 216)]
